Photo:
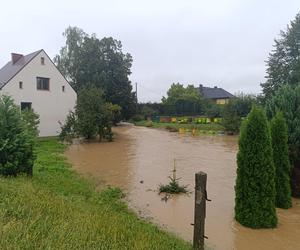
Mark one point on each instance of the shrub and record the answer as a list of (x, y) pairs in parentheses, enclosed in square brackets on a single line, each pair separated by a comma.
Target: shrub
[(69, 128), (31, 120), (235, 110), (255, 182), (16, 139), (231, 119), (281, 161), (137, 118), (92, 117)]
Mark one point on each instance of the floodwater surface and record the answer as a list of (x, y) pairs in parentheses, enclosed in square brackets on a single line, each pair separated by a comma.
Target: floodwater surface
[(140, 159)]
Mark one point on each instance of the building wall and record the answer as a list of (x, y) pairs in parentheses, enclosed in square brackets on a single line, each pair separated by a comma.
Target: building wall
[(53, 105), (222, 101)]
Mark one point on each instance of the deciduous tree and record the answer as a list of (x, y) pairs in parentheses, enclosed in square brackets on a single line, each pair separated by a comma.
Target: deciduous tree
[(91, 62)]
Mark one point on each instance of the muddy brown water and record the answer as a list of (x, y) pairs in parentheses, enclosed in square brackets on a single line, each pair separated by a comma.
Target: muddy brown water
[(141, 158)]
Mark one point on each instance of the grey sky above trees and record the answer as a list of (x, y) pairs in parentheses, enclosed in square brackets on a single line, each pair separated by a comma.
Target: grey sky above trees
[(223, 43)]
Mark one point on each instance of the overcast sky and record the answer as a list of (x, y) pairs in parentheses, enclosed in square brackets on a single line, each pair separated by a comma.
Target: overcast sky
[(223, 43)]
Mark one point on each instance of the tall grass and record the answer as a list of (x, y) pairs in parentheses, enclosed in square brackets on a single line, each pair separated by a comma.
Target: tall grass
[(57, 209)]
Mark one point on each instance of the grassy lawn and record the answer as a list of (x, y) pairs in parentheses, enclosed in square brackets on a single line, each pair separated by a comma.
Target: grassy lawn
[(201, 127), (57, 209)]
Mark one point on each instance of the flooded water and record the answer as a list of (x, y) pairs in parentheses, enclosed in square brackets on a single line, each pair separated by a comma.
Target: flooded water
[(141, 158)]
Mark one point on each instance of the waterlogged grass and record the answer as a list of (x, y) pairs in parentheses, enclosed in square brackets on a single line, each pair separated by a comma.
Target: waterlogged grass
[(212, 127), (57, 209)]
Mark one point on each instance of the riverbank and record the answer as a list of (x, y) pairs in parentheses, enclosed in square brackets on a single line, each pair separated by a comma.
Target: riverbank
[(58, 209), (202, 128)]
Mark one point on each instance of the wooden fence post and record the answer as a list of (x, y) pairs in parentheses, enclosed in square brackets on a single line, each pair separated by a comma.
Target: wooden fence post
[(200, 210)]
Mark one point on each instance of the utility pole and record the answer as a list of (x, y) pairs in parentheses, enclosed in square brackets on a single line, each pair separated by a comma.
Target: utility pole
[(136, 93), (136, 99)]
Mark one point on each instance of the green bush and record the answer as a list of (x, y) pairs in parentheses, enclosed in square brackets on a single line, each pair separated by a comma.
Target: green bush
[(281, 161), (231, 118), (31, 120), (235, 110), (17, 139), (69, 129), (255, 182)]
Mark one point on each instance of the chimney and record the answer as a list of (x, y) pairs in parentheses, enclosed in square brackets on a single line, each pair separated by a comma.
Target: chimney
[(215, 87), (201, 87), (15, 57)]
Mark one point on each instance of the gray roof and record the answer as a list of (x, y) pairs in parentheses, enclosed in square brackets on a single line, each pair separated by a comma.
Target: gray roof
[(214, 93), (9, 70)]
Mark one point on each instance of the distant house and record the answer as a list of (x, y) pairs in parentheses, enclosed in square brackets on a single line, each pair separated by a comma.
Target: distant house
[(218, 95), (33, 81)]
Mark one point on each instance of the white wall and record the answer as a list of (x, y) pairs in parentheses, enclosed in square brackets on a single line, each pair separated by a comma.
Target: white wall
[(53, 105)]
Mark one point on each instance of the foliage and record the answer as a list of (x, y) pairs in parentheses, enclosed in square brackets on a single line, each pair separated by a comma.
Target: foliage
[(235, 110), (255, 183), (231, 120), (183, 100), (211, 109), (69, 129), (147, 112), (284, 61), (88, 61), (287, 100), (137, 118), (205, 128), (92, 117), (17, 139), (281, 161), (57, 209), (93, 114), (173, 187), (115, 110), (32, 121)]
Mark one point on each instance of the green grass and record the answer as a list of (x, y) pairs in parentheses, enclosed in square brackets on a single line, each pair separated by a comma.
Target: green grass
[(200, 127), (57, 209)]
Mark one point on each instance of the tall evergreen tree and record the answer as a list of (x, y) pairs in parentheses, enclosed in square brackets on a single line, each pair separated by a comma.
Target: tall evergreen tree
[(287, 100), (283, 64), (281, 161), (255, 182)]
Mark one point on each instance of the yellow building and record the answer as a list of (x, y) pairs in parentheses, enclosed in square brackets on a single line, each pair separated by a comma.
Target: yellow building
[(218, 95)]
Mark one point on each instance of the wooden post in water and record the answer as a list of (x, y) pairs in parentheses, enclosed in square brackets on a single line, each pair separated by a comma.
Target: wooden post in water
[(200, 210)]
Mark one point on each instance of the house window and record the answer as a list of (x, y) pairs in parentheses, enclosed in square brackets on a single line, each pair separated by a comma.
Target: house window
[(25, 105), (42, 83), (63, 88), (20, 85), (42, 60)]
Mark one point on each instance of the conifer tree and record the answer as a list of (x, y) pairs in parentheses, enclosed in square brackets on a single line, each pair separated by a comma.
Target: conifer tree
[(255, 182), (281, 161), (17, 139), (283, 64)]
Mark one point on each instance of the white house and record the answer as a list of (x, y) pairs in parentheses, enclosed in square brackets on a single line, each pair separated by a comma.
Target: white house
[(34, 81)]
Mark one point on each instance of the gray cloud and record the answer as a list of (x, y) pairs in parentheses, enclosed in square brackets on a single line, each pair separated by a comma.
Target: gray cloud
[(222, 43)]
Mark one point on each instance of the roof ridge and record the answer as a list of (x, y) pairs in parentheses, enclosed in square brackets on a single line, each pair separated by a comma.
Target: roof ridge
[(10, 70)]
